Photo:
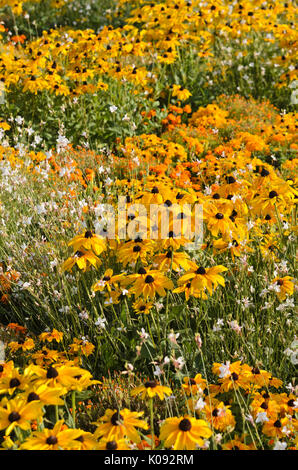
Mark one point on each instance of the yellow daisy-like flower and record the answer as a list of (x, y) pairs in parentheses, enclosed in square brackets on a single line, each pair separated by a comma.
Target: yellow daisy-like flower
[(149, 283), (192, 386), (151, 389), (83, 259), (88, 241), (142, 307), (106, 444), (116, 425), (184, 433), (201, 278), (57, 438), (284, 286), (50, 336), (18, 413)]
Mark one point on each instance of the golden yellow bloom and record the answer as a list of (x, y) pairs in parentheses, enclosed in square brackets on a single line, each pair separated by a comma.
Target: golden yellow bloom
[(17, 412), (184, 433), (116, 425), (57, 438), (151, 389)]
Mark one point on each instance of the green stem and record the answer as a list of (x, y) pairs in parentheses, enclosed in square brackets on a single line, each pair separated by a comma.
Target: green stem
[(152, 423), (73, 404)]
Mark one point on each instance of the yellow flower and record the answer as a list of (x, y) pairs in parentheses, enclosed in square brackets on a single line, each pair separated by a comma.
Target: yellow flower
[(182, 94), (88, 241), (54, 335), (151, 389), (106, 444), (201, 278), (283, 286), (53, 439), (116, 425), (184, 433), (83, 259), (17, 412), (149, 283)]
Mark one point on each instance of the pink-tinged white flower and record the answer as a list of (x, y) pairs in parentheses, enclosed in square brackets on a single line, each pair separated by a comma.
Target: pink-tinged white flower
[(262, 417)]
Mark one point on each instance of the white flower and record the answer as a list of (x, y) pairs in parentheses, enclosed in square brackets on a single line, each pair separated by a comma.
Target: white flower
[(101, 322), (262, 417), (235, 327), (172, 337), (280, 445), (158, 371), (224, 370), (143, 334), (200, 405), (113, 108)]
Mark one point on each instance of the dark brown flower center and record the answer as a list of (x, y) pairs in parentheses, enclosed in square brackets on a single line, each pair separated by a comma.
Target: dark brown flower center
[(219, 216), (52, 373), (185, 425), (235, 376), (14, 383), (150, 384), (277, 424), (201, 270), (116, 418), (111, 445), (32, 397), (88, 234), (52, 440), (231, 179), (14, 416), (272, 194), (149, 279)]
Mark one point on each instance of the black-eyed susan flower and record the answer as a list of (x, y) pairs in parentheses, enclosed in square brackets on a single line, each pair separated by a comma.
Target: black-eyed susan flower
[(108, 281), (150, 389), (184, 433), (58, 438), (88, 241), (106, 444), (150, 282), (202, 278), (191, 386), (17, 412), (83, 259), (115, 425), (219, 415), (283, 286), (142, 306)]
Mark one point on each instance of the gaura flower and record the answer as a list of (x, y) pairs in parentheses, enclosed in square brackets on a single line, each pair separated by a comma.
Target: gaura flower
[(150, 389), (184, 433)]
